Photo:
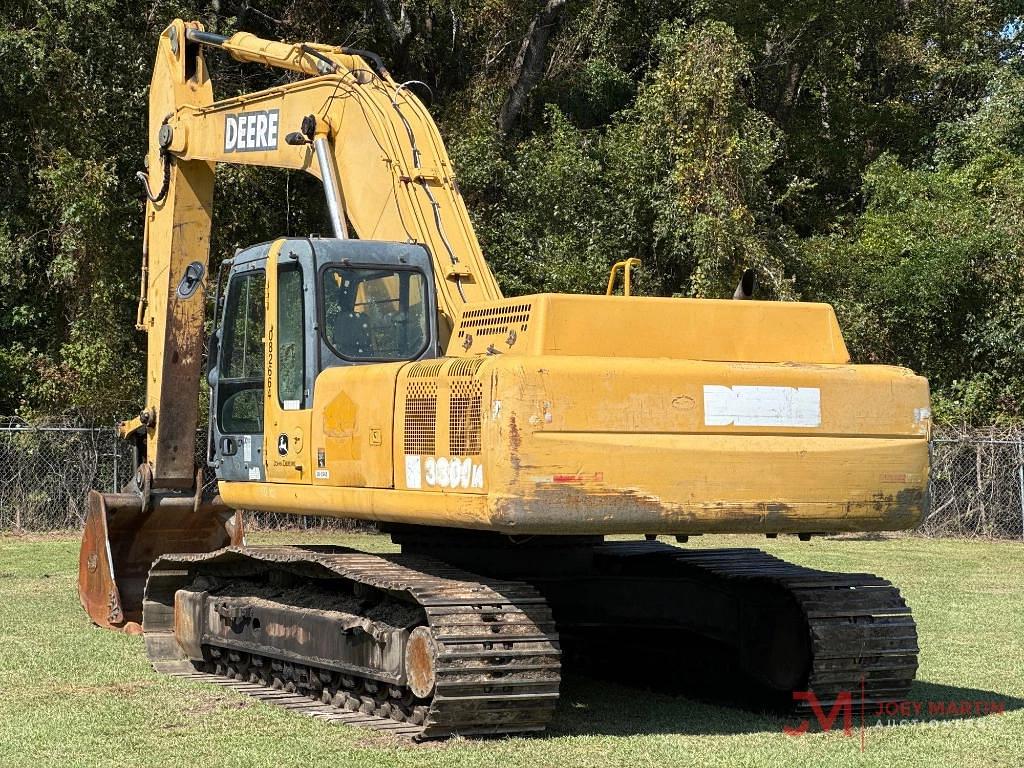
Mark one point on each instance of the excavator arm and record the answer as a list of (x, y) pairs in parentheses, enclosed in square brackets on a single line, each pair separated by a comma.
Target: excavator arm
[(386, 176)]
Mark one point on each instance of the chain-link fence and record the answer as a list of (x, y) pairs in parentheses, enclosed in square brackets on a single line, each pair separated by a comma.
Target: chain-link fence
[(977, 483), (47, 468), (977, 479)]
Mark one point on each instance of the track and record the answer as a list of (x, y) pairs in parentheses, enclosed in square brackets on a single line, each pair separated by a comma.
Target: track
[(863, 638), (495, 655), (305, 705), (737, 626), (644, 611), (740, 618)]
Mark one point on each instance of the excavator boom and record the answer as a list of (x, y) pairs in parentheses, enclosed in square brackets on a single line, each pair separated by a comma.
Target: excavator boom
[(359, 125)]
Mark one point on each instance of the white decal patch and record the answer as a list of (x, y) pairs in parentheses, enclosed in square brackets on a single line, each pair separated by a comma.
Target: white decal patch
[(322, 474), (762, 406), (246, 449), (413, 473), (254, 473), (443, 472), (251, 131)]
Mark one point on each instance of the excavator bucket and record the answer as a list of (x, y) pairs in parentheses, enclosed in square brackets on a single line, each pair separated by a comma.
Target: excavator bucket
[(121, 540)]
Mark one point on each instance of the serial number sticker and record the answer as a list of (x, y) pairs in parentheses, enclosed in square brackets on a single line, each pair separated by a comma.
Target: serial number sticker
[(323, 474)]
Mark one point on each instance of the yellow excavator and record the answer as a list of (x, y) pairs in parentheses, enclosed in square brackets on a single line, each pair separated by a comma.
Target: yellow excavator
[(380, 375)]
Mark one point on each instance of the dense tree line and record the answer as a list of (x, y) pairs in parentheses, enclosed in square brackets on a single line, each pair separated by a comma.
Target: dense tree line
[(868, 154)]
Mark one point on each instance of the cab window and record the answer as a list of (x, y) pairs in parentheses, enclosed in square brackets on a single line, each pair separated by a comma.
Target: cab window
[(374, 314), (290, 336), (240, 385)]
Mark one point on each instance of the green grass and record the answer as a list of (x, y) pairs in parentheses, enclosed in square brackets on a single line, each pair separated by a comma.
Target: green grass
[(71, 694)]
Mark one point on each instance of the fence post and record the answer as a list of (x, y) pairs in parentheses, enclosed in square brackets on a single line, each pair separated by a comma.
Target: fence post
[(115, 487), (1020, 479)]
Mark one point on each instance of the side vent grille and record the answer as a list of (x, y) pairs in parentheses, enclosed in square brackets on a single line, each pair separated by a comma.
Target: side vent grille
[(465, 366), (492, 321), (420, 417), (464, 418), (426, 369)]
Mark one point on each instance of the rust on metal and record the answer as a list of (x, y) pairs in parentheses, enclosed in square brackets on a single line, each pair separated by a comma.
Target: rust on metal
[(420, 654), (120, 541)]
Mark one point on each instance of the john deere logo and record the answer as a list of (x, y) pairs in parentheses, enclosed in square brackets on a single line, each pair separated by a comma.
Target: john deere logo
[(282, 444), (251, 131)]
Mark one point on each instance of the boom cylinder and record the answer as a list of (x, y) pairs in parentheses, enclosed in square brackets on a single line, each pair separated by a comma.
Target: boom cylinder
[(331, 187)]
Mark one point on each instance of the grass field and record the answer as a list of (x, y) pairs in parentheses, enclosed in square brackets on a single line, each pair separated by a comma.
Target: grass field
[(71, 694)]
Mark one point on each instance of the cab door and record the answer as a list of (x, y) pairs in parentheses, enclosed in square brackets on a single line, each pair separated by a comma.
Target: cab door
[(290, 361), (237, 373)]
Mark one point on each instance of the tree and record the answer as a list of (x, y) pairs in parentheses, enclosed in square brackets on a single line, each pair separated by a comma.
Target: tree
[(929, 276), (857, 152)]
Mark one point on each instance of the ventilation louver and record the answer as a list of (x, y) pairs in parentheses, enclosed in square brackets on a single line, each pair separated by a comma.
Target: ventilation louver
[(420, 418)]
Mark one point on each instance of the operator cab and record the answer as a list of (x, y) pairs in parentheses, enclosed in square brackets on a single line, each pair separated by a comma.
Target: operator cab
[(330, 303)]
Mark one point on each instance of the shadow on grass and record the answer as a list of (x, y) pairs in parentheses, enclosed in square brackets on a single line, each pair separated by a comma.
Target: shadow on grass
[(936, 693), (865, 536), (590, 706)]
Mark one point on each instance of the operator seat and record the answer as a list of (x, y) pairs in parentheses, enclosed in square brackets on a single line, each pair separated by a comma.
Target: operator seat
[(352, 335)]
